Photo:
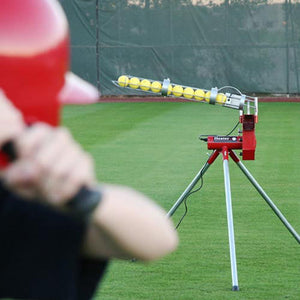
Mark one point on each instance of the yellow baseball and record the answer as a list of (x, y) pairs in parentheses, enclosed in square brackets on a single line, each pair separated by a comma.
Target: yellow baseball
[(134, 82), (123, 80), (145, 85), (207, 96), (177, 90), (188, 93), (156, 86), (221, 98), (199, 94)]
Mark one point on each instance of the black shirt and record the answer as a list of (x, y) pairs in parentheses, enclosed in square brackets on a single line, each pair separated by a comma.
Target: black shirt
[(40, 253)]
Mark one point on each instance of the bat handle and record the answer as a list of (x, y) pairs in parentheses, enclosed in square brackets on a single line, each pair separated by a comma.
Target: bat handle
[(81, 205)]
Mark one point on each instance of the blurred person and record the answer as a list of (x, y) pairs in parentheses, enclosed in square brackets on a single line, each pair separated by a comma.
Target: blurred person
[(58, 226)]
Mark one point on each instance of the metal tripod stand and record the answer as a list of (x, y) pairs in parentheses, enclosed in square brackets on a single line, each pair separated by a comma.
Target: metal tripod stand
[(226, 149)]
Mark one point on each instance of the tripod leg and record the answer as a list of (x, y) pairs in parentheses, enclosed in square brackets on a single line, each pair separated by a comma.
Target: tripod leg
[(210, 160), (266, 197), (235, 286)]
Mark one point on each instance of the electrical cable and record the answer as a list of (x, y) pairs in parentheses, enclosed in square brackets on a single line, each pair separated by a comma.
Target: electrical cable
[(185, 201), (233, 129)]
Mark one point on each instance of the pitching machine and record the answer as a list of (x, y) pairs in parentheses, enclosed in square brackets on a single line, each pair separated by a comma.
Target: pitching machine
[(223, 145)]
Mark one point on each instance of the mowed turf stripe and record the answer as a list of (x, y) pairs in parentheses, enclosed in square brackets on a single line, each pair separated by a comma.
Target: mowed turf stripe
[(101, 122)]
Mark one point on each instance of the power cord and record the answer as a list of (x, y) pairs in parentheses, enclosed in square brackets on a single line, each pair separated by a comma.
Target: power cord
[(233, 129), (185, 200)]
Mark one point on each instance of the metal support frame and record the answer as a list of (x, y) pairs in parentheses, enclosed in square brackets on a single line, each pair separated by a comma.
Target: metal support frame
[(226, 153)]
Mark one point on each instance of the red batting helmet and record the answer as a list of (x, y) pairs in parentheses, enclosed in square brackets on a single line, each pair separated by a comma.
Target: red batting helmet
[(34, 60)]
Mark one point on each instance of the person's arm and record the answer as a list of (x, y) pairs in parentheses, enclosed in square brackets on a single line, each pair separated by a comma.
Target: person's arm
[(52, 167), (127, 224)]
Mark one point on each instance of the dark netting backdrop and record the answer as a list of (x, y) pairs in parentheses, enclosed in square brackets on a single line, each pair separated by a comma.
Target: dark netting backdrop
[(251, 44)]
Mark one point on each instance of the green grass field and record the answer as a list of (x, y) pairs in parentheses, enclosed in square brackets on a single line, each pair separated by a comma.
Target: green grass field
[(154, 147)]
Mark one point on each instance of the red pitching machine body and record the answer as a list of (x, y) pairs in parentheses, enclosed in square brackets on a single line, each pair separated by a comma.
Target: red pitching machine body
[(246, 142)]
